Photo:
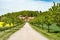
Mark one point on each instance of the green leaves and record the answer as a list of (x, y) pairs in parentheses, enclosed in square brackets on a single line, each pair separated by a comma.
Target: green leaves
[(49, 17)]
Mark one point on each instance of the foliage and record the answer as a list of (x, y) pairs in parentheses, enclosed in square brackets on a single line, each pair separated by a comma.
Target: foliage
[(52, 16)]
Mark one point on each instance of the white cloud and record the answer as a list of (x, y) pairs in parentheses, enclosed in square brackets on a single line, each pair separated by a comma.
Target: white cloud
[(18, 5)]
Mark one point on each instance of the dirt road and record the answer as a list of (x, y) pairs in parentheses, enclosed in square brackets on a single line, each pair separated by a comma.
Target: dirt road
[(27, 33)]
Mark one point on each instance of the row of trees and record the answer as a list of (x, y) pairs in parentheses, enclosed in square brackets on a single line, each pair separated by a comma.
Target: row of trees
[(10, 18), (25, 13), (13, 17), (49, 17)]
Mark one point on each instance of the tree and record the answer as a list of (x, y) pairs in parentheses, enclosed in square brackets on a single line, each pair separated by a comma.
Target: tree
[(0, 18)]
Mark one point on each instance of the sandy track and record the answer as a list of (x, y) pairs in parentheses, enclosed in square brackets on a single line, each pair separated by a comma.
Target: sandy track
[(27, 33)]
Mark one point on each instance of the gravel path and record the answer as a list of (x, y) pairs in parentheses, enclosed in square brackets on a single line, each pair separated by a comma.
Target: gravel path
[(27, 33)]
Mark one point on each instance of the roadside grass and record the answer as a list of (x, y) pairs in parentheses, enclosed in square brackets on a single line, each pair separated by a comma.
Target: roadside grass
[(50, 36), (4, 35)]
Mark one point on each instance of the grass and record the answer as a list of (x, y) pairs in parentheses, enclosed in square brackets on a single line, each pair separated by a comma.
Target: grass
[(50, 36), (4, 35)]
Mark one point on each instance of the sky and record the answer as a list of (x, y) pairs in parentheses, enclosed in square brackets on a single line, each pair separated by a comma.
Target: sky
[(20, 5)]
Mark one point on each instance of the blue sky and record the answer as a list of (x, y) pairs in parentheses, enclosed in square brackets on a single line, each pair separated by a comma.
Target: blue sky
[(45, 0), (48, 0), (20, 5)]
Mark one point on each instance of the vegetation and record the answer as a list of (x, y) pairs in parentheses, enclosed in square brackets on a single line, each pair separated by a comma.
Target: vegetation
[(10, 22), (5, 34), (23, 13), (49, 21)]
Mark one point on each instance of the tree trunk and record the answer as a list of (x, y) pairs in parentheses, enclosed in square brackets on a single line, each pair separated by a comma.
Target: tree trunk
[(48, 29), (42, 26)]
